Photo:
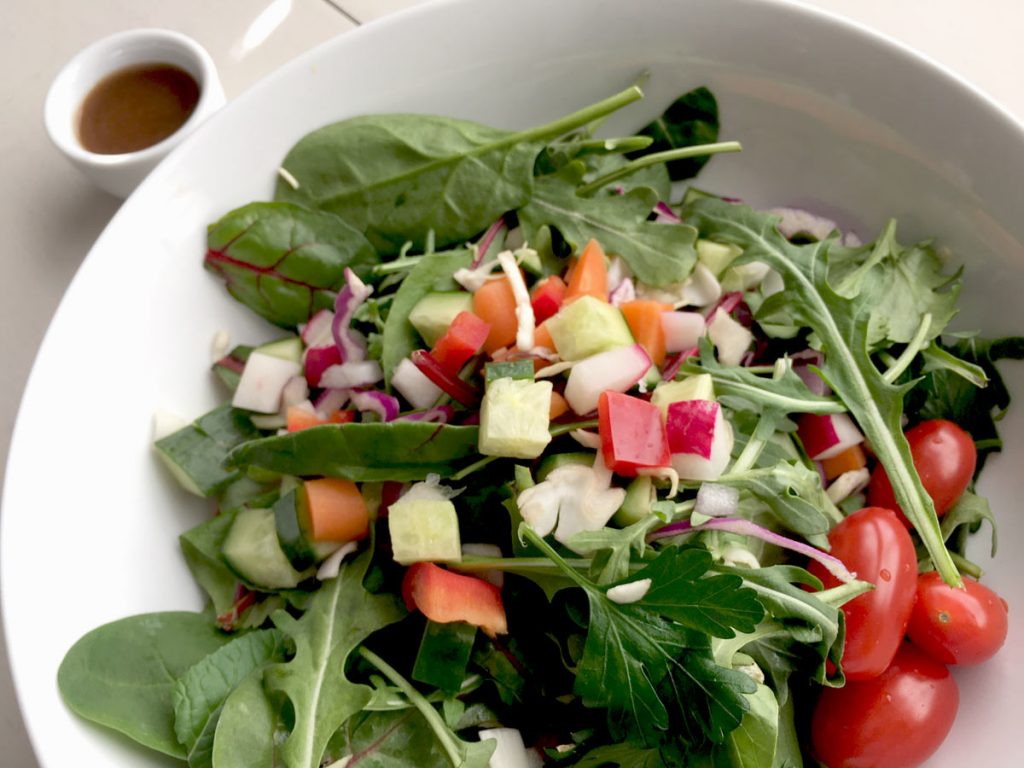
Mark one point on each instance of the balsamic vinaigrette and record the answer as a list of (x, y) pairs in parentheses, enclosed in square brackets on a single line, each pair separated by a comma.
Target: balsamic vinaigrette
[(135, 108)]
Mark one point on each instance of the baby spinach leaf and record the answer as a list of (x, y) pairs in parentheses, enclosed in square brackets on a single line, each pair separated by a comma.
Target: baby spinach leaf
[(200, 693), (387, 739), (690, 120), (658, 254), (626, 755), (201, 547), (284, 261), (841, 325), (246, 728), (363, 452), (341, 614), (122, 674), (433, 272), (398, 177)]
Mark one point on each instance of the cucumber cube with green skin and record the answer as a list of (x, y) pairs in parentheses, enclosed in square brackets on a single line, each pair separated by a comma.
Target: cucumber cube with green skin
[(716, 256), (252, 551), (699, 387), (512, 369), (434, 313), (588, 326), (289, 348), (424, 530), (444, 655), (514, 418), (637, 504)]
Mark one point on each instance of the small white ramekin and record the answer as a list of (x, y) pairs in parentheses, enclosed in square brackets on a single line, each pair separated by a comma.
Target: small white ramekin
[(120, 174)]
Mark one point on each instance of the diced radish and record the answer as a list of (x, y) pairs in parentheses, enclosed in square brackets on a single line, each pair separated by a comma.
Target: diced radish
[(262, 382), (682, 330), (317, 332), (295, 391), (318, 360), (828, 435), (730, 338), (411, 383), (700, 439), (616, 370), (352, 374)]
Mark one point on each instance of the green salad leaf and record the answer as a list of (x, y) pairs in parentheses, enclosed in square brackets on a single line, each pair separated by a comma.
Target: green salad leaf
[(690, 120)]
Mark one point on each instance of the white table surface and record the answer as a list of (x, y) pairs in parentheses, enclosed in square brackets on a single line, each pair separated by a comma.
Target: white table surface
[(49, 215)]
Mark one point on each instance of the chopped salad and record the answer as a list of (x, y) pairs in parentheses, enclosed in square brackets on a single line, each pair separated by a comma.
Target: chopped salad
[(558, 461)]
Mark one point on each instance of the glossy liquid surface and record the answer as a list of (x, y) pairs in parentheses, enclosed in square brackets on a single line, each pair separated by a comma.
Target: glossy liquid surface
[(135, 108)]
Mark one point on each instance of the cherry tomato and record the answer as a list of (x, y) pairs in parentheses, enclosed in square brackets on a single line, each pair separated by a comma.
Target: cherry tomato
[(944, 457), (896, 720), (957, 626), (874, 545)]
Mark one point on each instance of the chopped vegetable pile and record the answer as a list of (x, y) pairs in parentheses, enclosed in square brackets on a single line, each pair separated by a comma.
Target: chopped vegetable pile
[(557, 462)]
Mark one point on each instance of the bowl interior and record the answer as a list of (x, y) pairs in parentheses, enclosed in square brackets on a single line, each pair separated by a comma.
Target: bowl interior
[(831, 117)]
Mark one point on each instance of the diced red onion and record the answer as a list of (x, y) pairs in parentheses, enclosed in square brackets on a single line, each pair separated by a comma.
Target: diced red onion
[(349, 341), (802, 362), (624, 291), (485, 241), (384, 405), (727, 303), (716, 500), (746, 528), (672, 366), (330, 400), (442, 414), (364, 373), (664, 214), (317, 332), (797, 221), (453, 386)]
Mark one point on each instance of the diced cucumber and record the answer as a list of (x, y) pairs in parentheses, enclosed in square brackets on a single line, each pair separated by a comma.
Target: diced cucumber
[(252, 550), (514, 418), (588, 326), (424, 530), (434, 313), (289, 348), (637, 504), (228, 373), (244, 491), (699, 387), (716, 256), (512, 369), (291, 519), (550, 463), (444, 655), (195, 454)]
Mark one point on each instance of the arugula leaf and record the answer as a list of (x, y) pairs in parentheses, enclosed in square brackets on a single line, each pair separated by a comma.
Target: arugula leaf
[(690, 120), (398, 177), (946, 395), (283, 261), (840, 324), (617, 546), (200, 693), (433, 272), (970, 510), (121, 675), (903, 284), (363, 452), (658, 254), (340, 616), (637, 663), (387, 739)]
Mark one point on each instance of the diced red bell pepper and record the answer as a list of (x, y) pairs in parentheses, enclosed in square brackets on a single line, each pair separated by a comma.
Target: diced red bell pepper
[(300, 418), (444, 597), (463, 339), (452, 385), (632, 434), (546, 298), (318, 360)]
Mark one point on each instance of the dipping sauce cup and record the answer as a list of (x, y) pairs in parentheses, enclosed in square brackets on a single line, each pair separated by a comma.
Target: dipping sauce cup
[(133, 89)]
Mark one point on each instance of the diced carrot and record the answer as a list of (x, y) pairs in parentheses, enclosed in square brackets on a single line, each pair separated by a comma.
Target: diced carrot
[(558, 406), (336, 510), (644, 320), (495, 303), (300, 418), (589, 276), (444, 597), (546, 297), (850, 460), (542, 337)]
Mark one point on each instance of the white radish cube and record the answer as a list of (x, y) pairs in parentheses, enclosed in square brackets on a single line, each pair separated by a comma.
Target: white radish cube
[(682, 330), (262, 382), (731, 339), (616, 370), (412, 384)]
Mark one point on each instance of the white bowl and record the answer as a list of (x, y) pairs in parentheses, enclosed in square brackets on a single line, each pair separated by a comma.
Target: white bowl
[(119, 174), (832, 117)]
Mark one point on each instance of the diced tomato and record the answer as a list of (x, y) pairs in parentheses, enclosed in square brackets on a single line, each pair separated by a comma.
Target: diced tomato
[(463, 339), (632, 434), (337, 511), (644, 319), (546, 298), (589, 276), (444, 597), (496, 304), (300, 418)]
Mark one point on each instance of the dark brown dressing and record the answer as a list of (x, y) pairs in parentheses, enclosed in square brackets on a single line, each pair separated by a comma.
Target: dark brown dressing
[(135, 108)]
